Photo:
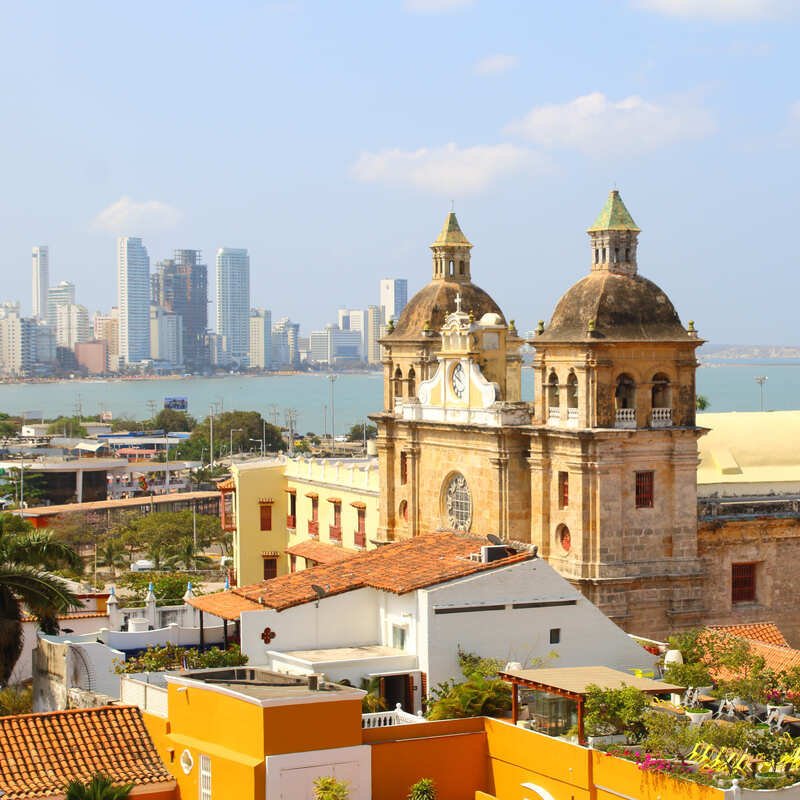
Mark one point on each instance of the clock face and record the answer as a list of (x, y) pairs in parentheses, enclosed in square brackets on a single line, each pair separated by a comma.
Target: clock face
[(459, 381)]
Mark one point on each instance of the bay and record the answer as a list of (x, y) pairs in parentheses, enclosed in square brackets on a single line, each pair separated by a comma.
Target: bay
[(729, 387)]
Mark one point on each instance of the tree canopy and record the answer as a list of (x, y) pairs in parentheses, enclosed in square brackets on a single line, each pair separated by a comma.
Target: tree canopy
[(245, 425), (170, 421)]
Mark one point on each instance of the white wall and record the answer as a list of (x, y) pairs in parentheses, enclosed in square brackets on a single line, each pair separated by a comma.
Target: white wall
[(337, 671), (81, 627), (348, 619), (588, 637)]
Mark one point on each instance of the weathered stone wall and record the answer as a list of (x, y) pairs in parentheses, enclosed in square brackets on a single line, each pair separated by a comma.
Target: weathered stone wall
[(774, 546)]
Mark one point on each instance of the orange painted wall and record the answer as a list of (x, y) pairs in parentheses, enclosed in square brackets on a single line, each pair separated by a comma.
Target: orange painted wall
[(313, 726)]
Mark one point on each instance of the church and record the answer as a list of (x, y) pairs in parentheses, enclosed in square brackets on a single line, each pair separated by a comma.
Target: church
[(600, 472)]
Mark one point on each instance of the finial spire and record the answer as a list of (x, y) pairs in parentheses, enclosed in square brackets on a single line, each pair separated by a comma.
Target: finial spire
[(614, 238)]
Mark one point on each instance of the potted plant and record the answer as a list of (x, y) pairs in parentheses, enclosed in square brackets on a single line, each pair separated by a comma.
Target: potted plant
[(328, 788), (780, 700), (613, 716), (423, 790), (670, 737), (696, 712)]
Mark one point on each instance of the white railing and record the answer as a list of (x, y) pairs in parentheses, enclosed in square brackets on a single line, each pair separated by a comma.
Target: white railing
[(626, 418), (572, 414), (554, 414), (383, 719), (661, 418)]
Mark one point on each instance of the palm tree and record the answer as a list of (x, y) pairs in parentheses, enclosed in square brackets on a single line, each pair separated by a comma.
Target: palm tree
[(188, 555), (25, 555), (112, 554), (100, 787)]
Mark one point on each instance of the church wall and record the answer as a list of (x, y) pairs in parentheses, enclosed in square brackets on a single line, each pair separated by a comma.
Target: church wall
[(773, 545)]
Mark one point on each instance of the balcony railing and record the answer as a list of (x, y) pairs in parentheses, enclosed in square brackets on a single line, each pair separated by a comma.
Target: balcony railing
[(360, 539), (313, 528), (291, 521), (661, 418), (572, 414), (553, 414), (383, 719), (335, 533), (626, 418)]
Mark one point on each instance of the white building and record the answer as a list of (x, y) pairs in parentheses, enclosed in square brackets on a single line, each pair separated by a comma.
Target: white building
[(260, 356), (61, 295), (233, 301), (17, 341), (355, 319), (72, 325), (334, 346), (403, 611), (40, 280), (285, 343), (372, 354), (166, 336), (133, 274), (394, 297)]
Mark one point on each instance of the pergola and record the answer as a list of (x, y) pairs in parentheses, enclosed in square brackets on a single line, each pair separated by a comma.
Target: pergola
[(572, 683)]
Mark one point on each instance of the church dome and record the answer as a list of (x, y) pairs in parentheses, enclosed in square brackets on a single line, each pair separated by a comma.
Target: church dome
[(618, 307), (451, 276), (430, 305)]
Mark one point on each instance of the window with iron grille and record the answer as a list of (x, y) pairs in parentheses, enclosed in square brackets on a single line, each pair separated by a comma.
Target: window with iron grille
[(265, 510), (563, 489), (205, 777), (743, 583), (644, 489), (270, 568)]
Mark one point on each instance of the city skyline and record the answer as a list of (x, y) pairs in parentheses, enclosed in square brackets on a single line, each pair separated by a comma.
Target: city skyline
[(688, 108)]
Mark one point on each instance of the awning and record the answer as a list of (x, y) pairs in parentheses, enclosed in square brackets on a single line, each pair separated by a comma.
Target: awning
[(335, 500), (228, 485), (358, 504), (90, 447), (312, 495), (265, 501)]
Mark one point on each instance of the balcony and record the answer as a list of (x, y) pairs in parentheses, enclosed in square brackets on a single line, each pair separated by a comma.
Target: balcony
[(384, 719), (661, 418), (313, 527), (291, 521), (554, 415), (572, 417), (335, 533), (626, 418), (360, 539)]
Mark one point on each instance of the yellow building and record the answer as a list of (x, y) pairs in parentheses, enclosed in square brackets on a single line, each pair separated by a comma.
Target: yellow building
[(287, 514)]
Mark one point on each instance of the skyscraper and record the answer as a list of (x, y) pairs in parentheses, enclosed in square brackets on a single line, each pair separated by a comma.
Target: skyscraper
[(394, 296), (41, 280), (260, 338), (181, 286), (374, 331), (72, 325), (233, 301), (133, 273), (61, 295)]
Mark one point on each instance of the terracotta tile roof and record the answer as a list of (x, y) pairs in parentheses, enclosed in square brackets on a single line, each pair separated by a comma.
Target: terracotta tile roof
[(228, 485), (399, 567), (321, 552), (766, 632), (41, 753)]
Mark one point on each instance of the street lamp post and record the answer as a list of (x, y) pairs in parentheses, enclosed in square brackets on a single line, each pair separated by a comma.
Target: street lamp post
[(761, 381), (332, 379), (234, 430), (262, 445)]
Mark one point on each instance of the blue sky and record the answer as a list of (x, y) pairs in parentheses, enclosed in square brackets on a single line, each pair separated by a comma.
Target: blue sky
[(330, 138)]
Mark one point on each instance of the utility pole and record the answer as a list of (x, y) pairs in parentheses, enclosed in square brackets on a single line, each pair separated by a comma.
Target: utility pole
[(291, 419), (332, 379), (234, 430), (151, 404), (761, 380)]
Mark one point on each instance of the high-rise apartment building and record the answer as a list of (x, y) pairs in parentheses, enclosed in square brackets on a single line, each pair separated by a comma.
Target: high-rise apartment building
[(106, 329), (260, 356), (334, 346), (352, 319), (62, 294), (72, 325), (285, 344), (133, 274), (180, 285), (374, 332), (233, 302), (17, 341), (40, 280), (166, 337), (394, 297)]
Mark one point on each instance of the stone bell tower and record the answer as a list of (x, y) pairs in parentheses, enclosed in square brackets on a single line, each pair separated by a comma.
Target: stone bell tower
[(614, 458)]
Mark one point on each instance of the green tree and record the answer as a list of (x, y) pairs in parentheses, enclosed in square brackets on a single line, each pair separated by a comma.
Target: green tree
[(9, 426), (67, 426), (702, 402), (24, 582), (127, 424), (168, 587), (187, 555), (356, 433), (423, 789), (171, 656), (478, 696), (33, 485), (100, 787), (328, 788), (112, 554), (171, 421), (614, 711), (245, 425)]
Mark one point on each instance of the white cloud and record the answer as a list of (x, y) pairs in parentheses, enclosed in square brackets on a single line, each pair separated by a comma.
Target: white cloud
[(595, 125), (127, 216), (495, 65), (449, 169), (435, 6), (721, 10)]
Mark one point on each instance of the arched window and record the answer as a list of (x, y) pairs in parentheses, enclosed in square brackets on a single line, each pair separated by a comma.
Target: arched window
[(661, 401), (616, 254), (460, 267), (572, 390), (597, 255), (412, 384), (452, 267), (403, 510), (553, 397), (625, 394), (398, 382), (458, 503)]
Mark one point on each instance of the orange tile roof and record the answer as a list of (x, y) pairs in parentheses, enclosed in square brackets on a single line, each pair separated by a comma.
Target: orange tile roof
[(398, 567), (321, 552), (41, 753), (766, 632), (228, 485)]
